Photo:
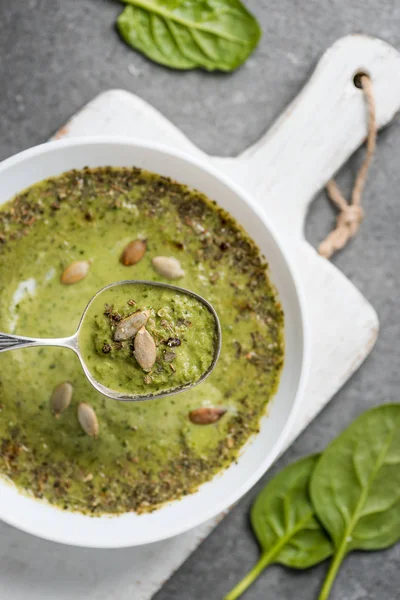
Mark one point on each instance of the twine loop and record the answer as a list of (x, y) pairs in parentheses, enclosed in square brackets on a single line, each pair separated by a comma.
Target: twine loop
[(351, 217), (351, 213)]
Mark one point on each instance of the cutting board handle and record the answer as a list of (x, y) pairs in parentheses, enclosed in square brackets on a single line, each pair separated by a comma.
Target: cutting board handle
[(320, 129)]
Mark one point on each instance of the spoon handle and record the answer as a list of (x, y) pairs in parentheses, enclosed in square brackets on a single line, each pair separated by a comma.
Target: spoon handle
[(12, 342)]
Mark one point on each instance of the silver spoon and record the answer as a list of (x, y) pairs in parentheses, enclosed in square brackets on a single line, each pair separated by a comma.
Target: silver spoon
[(12, 342)]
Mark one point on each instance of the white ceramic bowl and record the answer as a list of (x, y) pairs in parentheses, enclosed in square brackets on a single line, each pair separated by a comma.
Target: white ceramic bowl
[(30, 515)]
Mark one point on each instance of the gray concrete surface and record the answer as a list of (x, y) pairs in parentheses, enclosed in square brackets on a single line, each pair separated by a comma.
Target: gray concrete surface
[(55, 56)]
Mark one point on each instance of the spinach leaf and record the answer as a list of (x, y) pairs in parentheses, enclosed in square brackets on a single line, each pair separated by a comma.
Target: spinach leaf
[(284, 522), (355, 487), (185, 34)]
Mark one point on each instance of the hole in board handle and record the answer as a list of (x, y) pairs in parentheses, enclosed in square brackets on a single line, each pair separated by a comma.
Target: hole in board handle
[(357, 78)]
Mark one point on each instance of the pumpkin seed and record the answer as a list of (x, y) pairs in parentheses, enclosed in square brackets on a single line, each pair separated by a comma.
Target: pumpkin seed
[(75, 272), (206, 415), (88, 420), (168, 267), (145, 349), (133, 252), (60, 398), (128, 327)]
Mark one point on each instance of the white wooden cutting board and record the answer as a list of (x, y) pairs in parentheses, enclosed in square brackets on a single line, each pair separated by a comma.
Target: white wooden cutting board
[(283, 171)]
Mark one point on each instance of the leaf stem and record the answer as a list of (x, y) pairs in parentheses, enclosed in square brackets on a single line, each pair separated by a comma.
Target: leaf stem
[(264, 561), (333, 570)]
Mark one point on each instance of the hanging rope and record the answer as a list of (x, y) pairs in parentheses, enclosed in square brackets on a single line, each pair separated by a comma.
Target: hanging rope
[(351, 213)]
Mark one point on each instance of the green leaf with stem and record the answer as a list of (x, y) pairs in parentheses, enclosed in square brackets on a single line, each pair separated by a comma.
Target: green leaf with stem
[(355, 487), (284, 522)]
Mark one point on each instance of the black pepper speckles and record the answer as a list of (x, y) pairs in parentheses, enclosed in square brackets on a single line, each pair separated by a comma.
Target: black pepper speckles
[(136, 478)]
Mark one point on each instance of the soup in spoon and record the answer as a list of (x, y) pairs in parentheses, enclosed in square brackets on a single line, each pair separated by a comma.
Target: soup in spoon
[(139, 338)]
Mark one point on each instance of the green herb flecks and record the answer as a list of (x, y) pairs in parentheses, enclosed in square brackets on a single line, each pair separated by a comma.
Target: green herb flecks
[(145, 453)]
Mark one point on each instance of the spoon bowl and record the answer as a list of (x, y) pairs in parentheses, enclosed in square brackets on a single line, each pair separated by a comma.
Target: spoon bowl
[(13, 342)]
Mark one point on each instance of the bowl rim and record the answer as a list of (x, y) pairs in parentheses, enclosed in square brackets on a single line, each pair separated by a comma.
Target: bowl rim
[(201, 163)]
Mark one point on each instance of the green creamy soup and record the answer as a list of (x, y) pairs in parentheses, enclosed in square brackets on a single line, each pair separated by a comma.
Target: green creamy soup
[(181, 328), (138, 455)]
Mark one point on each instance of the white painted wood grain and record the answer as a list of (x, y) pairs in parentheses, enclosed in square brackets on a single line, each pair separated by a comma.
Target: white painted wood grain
[(283, 171)]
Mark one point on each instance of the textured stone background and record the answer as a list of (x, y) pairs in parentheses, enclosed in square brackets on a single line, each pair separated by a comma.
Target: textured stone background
[(55, 56)]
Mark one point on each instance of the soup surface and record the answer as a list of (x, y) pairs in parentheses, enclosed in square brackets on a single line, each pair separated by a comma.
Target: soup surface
[(146, 453)]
